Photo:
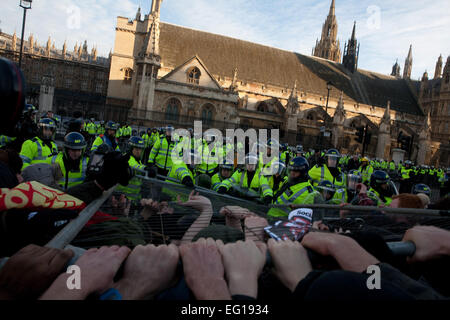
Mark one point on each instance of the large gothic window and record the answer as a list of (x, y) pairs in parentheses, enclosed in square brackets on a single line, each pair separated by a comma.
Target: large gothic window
[(194, 76), (173, 109), (207, 114)]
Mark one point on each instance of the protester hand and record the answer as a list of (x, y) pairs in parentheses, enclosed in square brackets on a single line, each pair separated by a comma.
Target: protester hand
[(234, 215), (31, 271), (254, 228), (187, 181), (115, 170), (361, 188), (346, 251), (222, 190), (204, 270), (98, 268), (431, 243), (196, 202), (120, 206), (243, 262), (148, 271), (290, 260)]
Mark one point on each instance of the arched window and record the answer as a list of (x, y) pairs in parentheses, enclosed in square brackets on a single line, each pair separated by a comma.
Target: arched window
[(310, 116), (262, 107), (173, 109), (128, 75), (194, 76), (207, 114)]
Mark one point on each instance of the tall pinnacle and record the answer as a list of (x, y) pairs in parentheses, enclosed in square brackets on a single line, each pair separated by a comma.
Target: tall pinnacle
[(332, 8), (354, 32), (410, 53)]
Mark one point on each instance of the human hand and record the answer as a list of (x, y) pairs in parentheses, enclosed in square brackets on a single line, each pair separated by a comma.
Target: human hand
[(148, 271), (204, 270), (290, 260), (98, 268), (243, 262), (31, 271), (361, 188), (197, 202), (120, 206), (430, 242), (234, 215), (254, 228), (346, 251)]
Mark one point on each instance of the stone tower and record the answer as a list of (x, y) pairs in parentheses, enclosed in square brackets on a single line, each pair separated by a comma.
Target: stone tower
[(396, 70), (351, 52), (384, 135), (408, 65), (149, 60), (438, 70), (328, 47)]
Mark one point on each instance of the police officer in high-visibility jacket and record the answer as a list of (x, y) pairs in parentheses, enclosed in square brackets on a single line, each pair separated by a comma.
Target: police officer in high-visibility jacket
[(133, 190), (328, 171), (162, 151), (40, 148), (273, 152), (406, 174), (366, 170), (381, 190), (297, 190), (276, 176), (327, 191), (109, 138), (211, 155), (346, 195), (249, 182), (225, 172), (72, 160)]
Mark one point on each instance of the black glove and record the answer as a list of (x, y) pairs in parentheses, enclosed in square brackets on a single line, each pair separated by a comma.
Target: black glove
[(222, 190), (267, 200), (187, 181), (115, 170), (152, 171)]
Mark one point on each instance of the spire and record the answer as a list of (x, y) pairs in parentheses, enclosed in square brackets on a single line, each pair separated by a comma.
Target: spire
[(294, 92), (354, 32), (339, 113), (425, 76), (396, 70), (64, 51), (234, 86), (156, 7), (332, 8), (408, 65), (31, 43), (438, 70), (351, 52), (47, 50), (387, 113), (138, 14), (14, 41), (292, 105)]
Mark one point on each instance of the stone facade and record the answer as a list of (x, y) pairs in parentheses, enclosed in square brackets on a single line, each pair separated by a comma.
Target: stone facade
[(162, 73), (60, 80)]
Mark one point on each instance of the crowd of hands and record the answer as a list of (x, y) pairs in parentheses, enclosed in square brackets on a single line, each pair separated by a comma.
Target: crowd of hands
[(212, 269)]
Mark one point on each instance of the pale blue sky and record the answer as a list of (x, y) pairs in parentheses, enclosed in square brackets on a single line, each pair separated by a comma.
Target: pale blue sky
[(385, 28)]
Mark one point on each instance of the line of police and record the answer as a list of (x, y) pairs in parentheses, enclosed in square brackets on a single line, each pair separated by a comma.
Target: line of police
[(287, 179)]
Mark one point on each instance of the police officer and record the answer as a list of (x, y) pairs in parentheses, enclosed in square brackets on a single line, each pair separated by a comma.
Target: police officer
[(406, 174), (346, 195), (277, 176), (380, 188), (210, 157), (249, 182), (72, 160), (297, 190), (366, 170), (421, 188), (109, 138), (225, 172), (328, 191), (162, 151), (328, 171), (133, 189), (41, 147)]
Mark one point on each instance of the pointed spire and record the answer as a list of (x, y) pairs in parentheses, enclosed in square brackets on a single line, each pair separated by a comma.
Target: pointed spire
[(156, 7), (408, 65), (332, 8), (438, 70), (64, 50), (14, 41), (234, 86), (294, 91), (138, 14), (409, 58), (354, 32), (387, 112), (31, 43)]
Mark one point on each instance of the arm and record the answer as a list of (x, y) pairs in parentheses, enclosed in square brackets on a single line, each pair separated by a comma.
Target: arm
[(154, 152), (27, 153), (206, 212)]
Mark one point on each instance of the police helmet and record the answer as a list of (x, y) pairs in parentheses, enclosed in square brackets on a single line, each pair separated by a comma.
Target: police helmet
[(421, 188)]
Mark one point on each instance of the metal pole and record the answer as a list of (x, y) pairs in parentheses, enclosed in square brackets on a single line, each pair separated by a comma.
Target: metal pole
[(23, 32)]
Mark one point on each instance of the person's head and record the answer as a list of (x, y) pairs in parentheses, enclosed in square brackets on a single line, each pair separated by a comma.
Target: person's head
[(278, 169), (299, 150), (364, 162), (12, 96), (421, 188), (47, 129), (332, 157), (273, 147), (169, 130), (353, 178), (298, 170), (74, 146), (111, 128), (136, 145), (380, 182), (406, 200), (326, 189), (226, 170), (251, 162), (408, 164)]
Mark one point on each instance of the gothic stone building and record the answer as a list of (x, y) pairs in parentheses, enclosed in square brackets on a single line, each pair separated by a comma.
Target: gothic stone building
[(163, 73), (63, 81)]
